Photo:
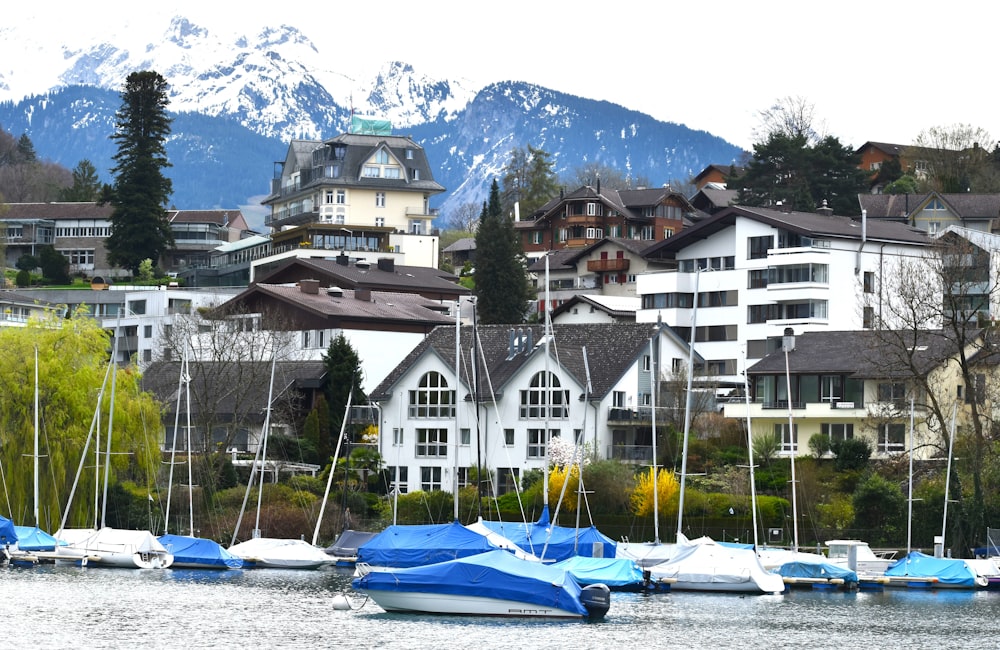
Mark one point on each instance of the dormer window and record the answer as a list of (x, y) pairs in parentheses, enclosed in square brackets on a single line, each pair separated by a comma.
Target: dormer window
[(381, 157)]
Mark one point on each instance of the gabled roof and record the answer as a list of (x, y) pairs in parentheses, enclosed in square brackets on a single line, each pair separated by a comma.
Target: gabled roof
[(56, 210), (810, 224), (616, 306), (566, 258), (339, 272), (862, 354), (227, 218), (463, 244), (612, 348), (966, 206), (885, 147), (628, 202)]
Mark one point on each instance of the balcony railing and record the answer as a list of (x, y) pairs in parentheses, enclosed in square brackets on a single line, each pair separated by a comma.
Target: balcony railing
[(631, 453), (617, 264)]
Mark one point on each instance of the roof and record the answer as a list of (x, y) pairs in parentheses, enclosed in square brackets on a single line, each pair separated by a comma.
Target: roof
[(868, 354), (902, 206), (56, 210), (628, 202), (386, 275), (229, 218), (806, 223), (566, 258), (611, 349), (463, 244), (619, 306)]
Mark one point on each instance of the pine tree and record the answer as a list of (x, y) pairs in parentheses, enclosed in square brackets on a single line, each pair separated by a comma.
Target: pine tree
[(139, 226), (86, 185), (343, 374), (501, 283), (528, 180)]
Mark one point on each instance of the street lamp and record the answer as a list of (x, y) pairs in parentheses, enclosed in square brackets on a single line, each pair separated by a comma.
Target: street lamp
[(787, 345)]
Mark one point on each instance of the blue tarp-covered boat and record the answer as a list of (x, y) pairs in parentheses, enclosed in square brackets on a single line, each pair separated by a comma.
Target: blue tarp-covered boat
[(8, 532), (558, 542), (813, 573), (32, 539), (620, 574), (918, 570), (494, 583), (199, 553), (409, 546)]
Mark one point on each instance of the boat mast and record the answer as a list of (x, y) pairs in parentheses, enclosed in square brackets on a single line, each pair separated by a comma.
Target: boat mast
[(653, 349), (788, 345), (333, 467), (947, 479), (687, 404), (263, 456), (107, 456), (547, 394), (753, 481), (909, 494), (173, 446), (37, 523), (458, 359)]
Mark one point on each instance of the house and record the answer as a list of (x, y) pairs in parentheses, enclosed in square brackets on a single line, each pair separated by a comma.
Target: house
[(716, 175), (198, 232), (911, 160), (933, 212), (363, 191), (460, 252), (848, 384), (588, 214), (381, 326), (745, 274), (596, 309), (590, 383), (16, 308), (607, 267)]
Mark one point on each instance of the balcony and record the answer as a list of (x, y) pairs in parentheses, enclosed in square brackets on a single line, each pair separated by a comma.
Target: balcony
[(599, 266), (584, 220), (631, 453), (643, 415)]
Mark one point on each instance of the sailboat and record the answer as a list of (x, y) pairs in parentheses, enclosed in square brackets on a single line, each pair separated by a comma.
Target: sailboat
[(269, 552), (105, 546), (190, 551)]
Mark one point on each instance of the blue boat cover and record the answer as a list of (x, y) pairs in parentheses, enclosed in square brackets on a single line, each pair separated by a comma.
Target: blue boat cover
[(562, 541), (948, 571), (495, 574), (199, 552), (615, 572), (32, 538), (409, 546), (821, 570), (8, 534)]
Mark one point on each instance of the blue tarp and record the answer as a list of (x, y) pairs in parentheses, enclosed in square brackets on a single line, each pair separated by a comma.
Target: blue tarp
[(616, 573), (33, 539), (199, 553), (816, 570), (496, 574), (8, 534), (563, 542), (946, 571), (410, 546)]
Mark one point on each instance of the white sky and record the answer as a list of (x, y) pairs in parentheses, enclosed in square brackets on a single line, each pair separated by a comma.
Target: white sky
[(880, 71)]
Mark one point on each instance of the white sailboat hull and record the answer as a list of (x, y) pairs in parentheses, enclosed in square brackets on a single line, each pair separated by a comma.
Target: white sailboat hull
[(432, 603), (272, 553), (110, 547)]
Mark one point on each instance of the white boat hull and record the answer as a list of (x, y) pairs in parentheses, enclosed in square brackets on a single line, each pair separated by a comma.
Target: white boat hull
[(432, 603), (107, 547)]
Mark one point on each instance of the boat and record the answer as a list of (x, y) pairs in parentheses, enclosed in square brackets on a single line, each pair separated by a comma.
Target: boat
[(817, 575), (277, 553), (553, 543), (405, 546), (345, 549), (704, 565), (619, 574), (494, 583), (112, 547), (920, 571), (858, 556), (198, 553)]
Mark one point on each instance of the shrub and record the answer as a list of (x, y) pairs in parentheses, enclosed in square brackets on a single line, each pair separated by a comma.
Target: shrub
[(851, 453), (819, 444)]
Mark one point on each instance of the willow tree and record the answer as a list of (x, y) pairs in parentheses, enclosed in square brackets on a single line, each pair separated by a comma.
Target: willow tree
[(72, 368)]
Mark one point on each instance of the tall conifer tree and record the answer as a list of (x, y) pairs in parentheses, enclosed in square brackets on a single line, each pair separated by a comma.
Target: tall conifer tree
[(139, 226), (501, 283)]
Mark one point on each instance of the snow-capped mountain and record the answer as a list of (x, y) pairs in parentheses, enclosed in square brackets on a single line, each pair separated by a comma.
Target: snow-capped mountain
[(240, 99)]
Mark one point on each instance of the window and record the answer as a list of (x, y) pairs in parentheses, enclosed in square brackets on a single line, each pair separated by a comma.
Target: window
[(591, 209), (831, 388), (465, 437), (415, 174), (391, 172), (757, 247), (147, 331), (409, 154), (379, 199), (430, 479), (892, 392), (891, 437), (380, 222), (618, 399), (432, 399), (463, 477), (137, 307), (432, 443), (398, 477), (536, 442), (543, 398), (868, 317), (791, 273), (397, 437), (416, 226), (508, 437), (789, 444), (371, 171), (869, 282), (647, 233), (381, 157), (507, 478), (341, 197), (646, 363), (837, 431), (668, 233), (329, 196)]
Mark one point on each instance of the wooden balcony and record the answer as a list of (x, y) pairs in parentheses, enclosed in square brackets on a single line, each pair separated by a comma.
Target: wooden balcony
[(617, 264)]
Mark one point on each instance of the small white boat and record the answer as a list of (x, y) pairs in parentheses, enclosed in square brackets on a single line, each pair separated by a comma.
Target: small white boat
[(705, 565), (494, 583), (858, 556), (273, 553), (112, 547)]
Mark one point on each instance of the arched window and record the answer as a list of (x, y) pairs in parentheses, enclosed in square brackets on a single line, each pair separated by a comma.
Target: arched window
[(544, 399), (432, 399)]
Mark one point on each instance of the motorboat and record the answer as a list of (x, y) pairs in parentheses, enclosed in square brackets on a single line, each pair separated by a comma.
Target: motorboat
[(705, 565), (199, 553), (275, 553)]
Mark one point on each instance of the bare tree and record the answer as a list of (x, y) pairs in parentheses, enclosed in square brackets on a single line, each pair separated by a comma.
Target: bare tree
[(959, 158), (464, 218), (791, 117)]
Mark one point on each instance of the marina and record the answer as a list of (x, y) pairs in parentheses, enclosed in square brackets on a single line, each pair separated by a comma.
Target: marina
[(56, 606)]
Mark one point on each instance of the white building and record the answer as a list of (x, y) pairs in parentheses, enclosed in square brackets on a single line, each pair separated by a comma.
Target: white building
[(756, 271), (594, 385)]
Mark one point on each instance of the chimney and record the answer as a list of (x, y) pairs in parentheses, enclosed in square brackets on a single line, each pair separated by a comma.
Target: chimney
[(343, 259), (309, 286), (386, 264), (335, 292), (364, 295), (824, 209)]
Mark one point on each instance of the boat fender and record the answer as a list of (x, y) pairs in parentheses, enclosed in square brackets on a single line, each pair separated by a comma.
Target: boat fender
[(596, 598), (341, 603)]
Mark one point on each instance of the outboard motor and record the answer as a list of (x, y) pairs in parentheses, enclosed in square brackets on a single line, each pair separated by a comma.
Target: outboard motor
[(596, 598)]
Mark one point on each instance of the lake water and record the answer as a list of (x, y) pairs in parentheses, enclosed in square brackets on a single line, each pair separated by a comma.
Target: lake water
[(66, 607)]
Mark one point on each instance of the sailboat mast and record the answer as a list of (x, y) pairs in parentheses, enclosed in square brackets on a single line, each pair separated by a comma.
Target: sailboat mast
[(458, 359), (909, 493), (947, 479), (788, 344), (652, 402), (333, 468), (548, 391), (37, 523), (263, 457), (107, 443), (173, 446), (753, 481), (187, 429), (687, 405)]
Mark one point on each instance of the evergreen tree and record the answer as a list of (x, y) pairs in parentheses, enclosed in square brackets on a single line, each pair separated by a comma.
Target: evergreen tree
[(528, 179), (26, 150), (55, 266), (139, 225), (501, 284), (86, 185), (343, 374), (787, 169)]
